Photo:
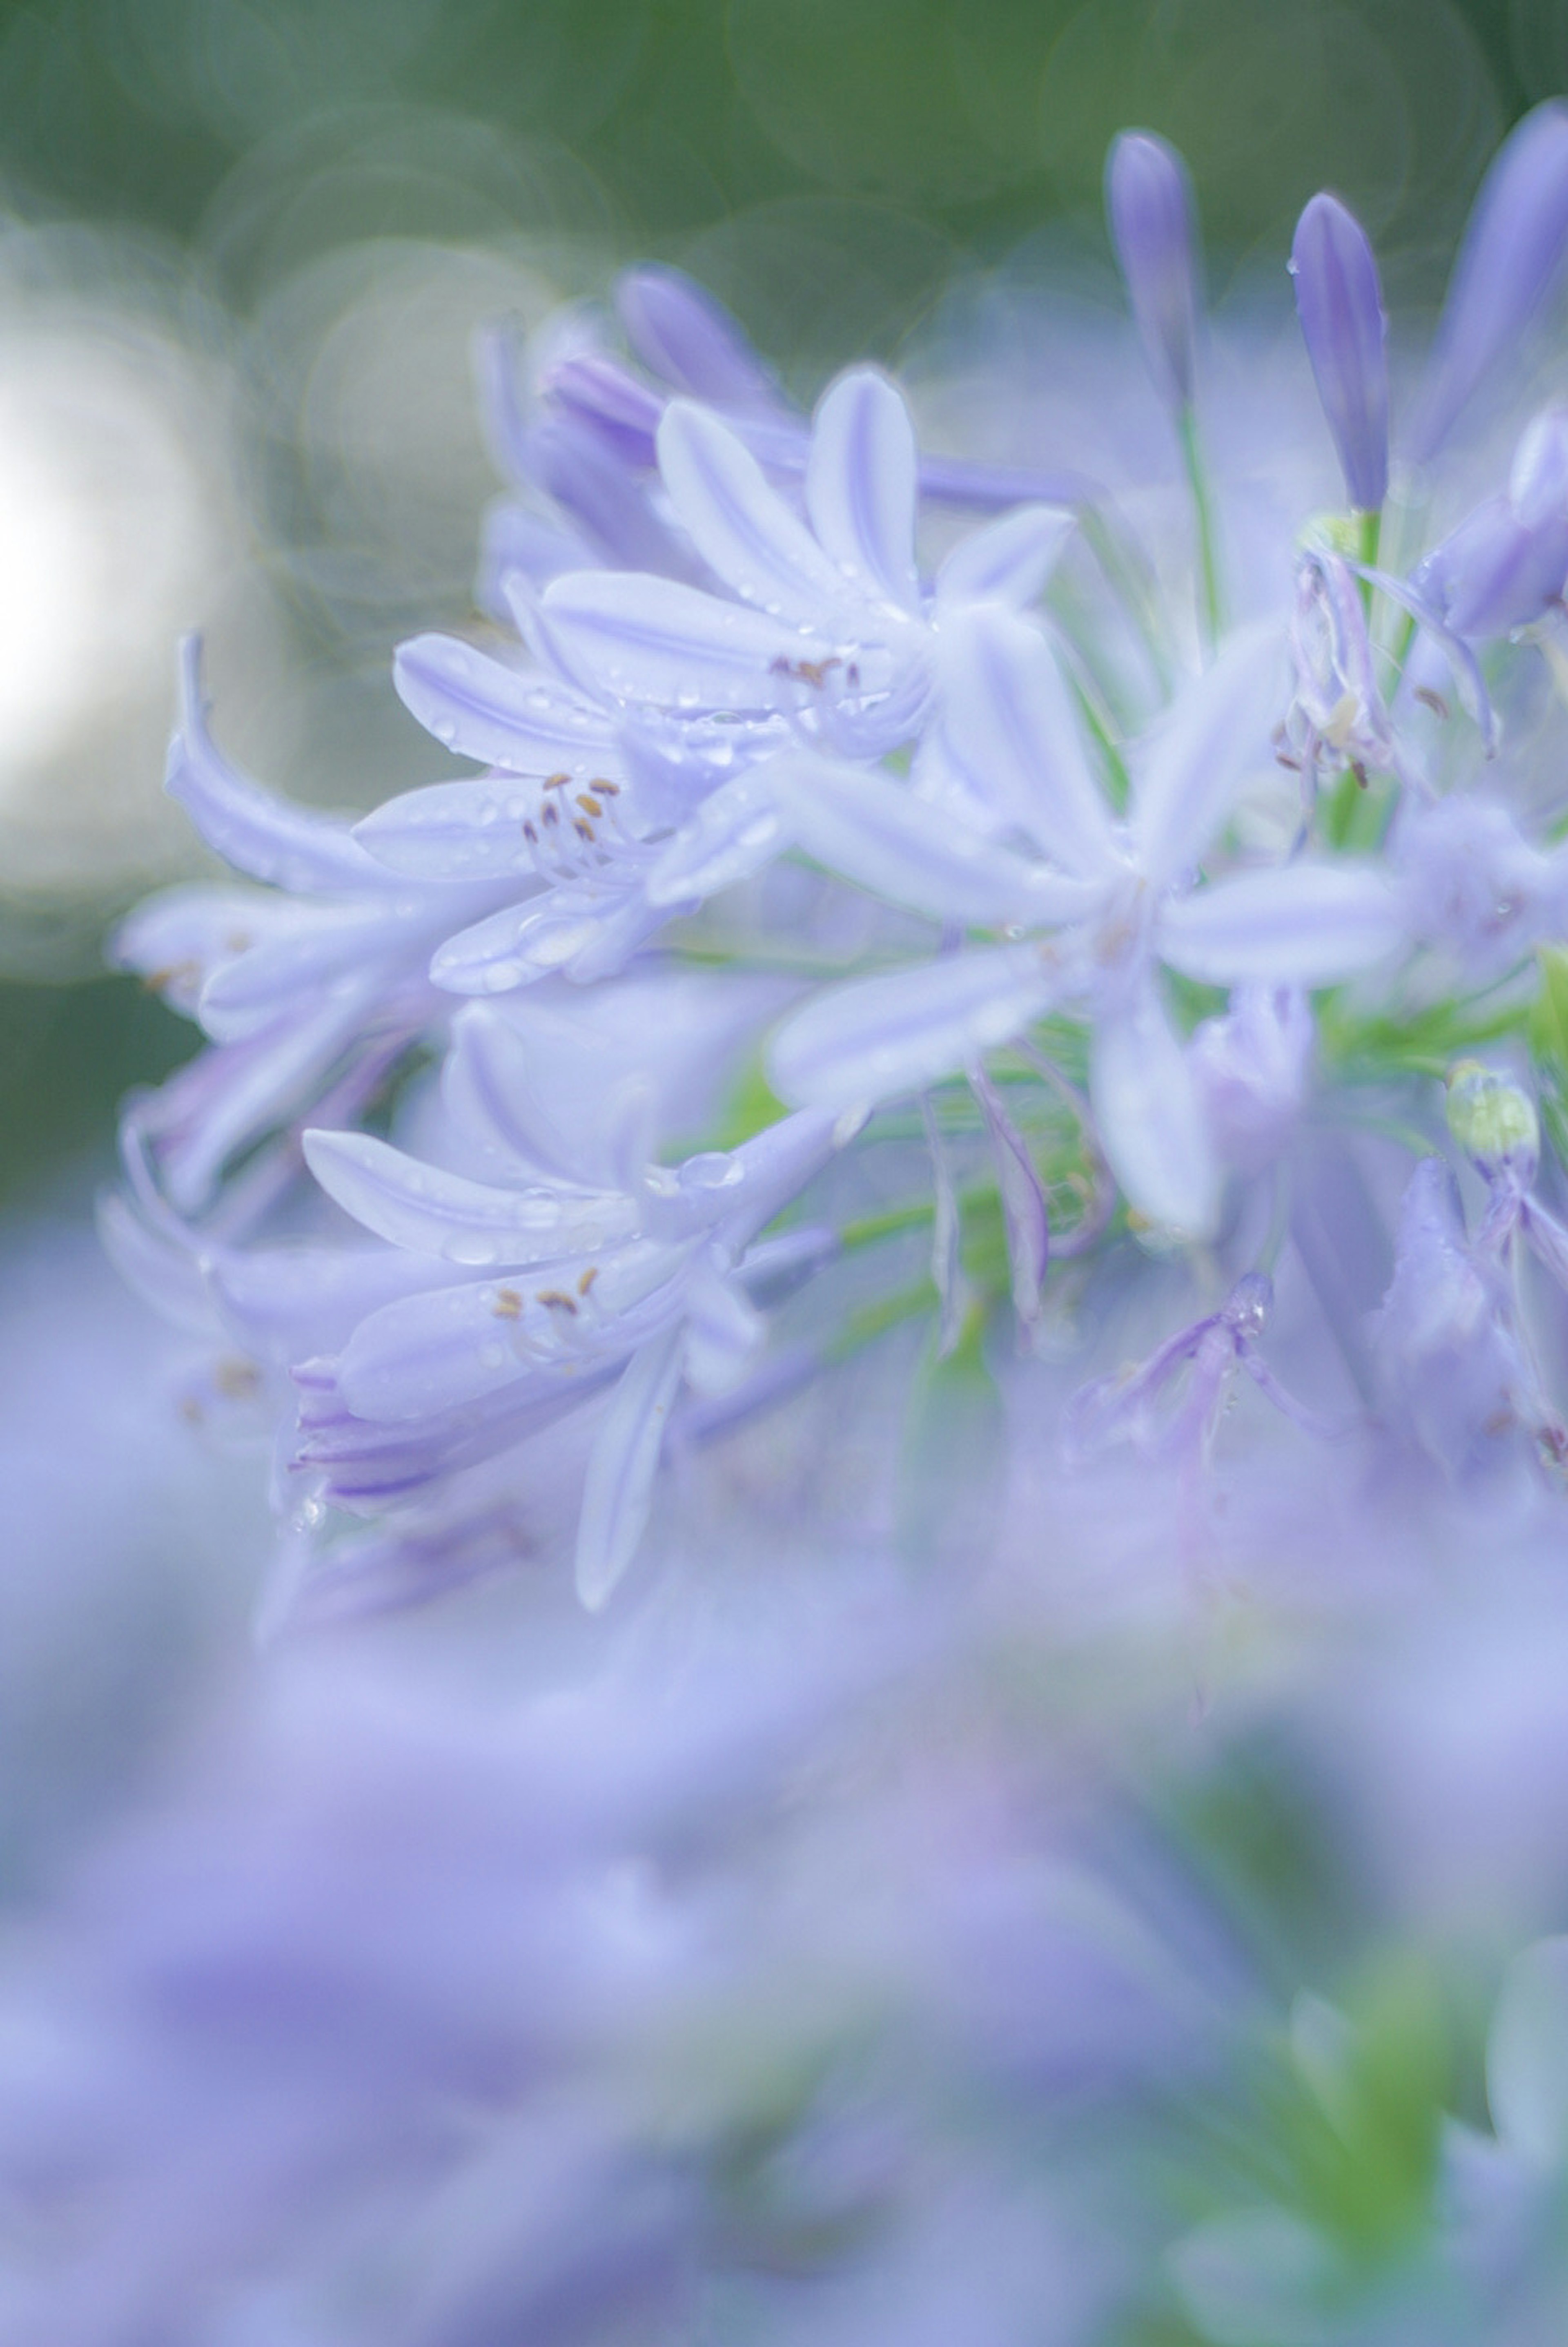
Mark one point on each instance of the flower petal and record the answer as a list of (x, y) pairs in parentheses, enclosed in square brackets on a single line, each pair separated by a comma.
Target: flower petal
[(1192, 766), (1150, 1118), (622, 1465), (1300, 924), (507, 717), (1010, 724), (420, 1207), (259, 835), (684, 335), (645, 638), (860, 486), (581, 933), (742, 527), (462, 830), (872, 830), (733, 835), (877, 1037), (1007, 561)]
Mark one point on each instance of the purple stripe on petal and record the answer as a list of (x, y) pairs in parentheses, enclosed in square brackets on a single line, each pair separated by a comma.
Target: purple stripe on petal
[(879, 1037), (1188, 771), (1302, 924), (740, 526), (871, 830), (504, 716), (643, 639), (1008, 560), (1010, 724), (419, 1206), (860, 486)]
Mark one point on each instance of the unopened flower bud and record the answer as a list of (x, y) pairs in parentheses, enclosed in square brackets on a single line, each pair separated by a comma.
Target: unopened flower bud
[(1493, 1121), (1340, 304), (1149, 205)]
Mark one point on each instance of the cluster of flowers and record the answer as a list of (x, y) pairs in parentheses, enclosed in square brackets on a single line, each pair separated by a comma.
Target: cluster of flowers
[(734, 673), (853, 998)]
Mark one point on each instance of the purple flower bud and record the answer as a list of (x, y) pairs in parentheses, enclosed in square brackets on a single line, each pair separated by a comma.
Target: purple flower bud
[(1149, 204), (1340, 304), (1510, 253)]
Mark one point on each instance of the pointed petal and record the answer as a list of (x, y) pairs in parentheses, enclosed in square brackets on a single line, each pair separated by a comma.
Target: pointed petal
[(861, 487), (1463, 666), (1012, 725), (679, 331), (741, 527), (618, 1491), (1150, 1118), (1008, 562), (1300, 924), (879, 1037), (302, 951), (733, 835), (872, 830), (292, 1302), (1193, 765), (251, 829), (503, 716), (430, 1352), (176, 940), (420, 1207), (644, 638), (464, 831), (580, 934)]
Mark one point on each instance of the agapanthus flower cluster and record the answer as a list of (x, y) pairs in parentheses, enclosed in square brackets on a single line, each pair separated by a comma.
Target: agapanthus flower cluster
[(970, 1079)]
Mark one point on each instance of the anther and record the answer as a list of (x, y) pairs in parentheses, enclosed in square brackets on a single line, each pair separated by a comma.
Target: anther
[(555, 1301), (508, 1304), (589, 804)]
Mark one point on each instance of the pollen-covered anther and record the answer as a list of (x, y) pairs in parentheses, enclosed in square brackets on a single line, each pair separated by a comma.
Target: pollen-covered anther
[(589, 804), (1432, 701), (236, 1378), (508, 1304), (555, 1299), (588, 1279)]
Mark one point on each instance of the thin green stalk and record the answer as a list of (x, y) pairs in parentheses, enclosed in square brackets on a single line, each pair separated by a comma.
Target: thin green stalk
[(1369, 531), (1207, 560)]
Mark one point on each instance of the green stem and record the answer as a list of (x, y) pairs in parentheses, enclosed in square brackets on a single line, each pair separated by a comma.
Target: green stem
[(1207, 561), (1369, 531)]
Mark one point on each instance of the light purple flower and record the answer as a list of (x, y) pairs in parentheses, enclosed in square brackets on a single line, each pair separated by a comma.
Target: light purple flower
[(831, 624), (328, 958), (1148, 201), (1108, 906), (1340, 304)]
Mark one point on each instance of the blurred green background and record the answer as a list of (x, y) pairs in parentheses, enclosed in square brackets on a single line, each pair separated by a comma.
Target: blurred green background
[(267, 228)]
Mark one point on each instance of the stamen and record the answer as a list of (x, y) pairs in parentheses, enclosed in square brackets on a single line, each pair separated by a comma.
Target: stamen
[(508, 1304)]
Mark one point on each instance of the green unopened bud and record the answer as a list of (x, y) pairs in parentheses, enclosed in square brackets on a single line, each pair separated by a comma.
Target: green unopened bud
[(1493, 1121), (1332, 533)]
